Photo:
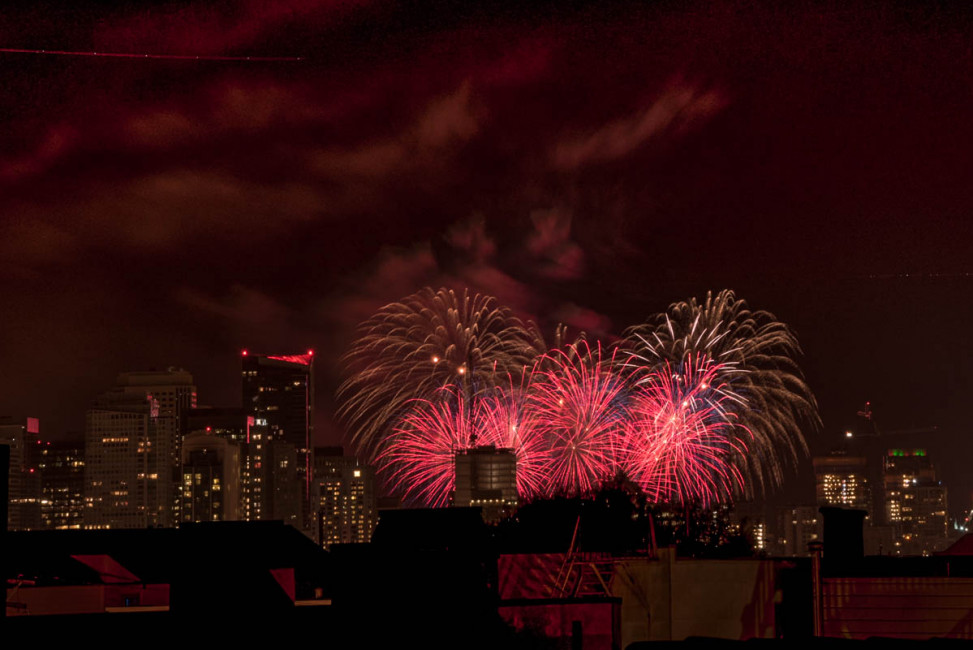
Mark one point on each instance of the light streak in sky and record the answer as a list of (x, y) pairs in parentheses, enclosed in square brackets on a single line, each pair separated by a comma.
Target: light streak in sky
[(136, 55)]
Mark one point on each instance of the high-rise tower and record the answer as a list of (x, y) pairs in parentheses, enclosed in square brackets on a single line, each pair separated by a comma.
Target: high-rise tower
[(842, 480), (345, 499), (915, 502), (241, 429), (61, 465), (132, 442), (210, 478), (278, 392)]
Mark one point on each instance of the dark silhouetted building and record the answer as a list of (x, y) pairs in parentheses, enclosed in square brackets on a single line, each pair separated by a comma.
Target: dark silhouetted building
[(111, 579), (797, 526)]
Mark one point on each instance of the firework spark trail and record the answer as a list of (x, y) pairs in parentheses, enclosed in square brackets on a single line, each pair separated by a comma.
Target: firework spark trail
[(578, 405), (419, 457), (680, 444), (429, 340)]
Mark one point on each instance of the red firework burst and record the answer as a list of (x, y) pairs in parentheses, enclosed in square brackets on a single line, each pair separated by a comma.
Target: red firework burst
[(505, 420), (419, 457), (576, 399), (682, 442)]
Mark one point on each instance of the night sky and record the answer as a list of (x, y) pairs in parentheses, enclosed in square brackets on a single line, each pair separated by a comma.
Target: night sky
[(584, 163)]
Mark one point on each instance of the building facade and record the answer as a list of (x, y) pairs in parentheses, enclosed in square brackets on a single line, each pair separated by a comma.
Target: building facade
[(61, 465), (175, 394), (841, 480), (210, 479), (345, 498), (486, 476), (133, 435), (915, 502), (278, 393), (249, 435)]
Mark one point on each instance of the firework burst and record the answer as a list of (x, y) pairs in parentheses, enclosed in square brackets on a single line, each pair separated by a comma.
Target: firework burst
[(506, 420), (698, 404), (680, 444), (419, 456), (577, 399), (411, 349), (756, 355)]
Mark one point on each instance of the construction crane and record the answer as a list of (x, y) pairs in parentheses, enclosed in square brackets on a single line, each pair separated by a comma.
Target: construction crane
[(866, 414)]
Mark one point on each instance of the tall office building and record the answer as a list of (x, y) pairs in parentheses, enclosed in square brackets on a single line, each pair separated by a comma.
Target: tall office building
[(175, 393), (210, 479), (236, 426), (61, 465), (125, 461), (132, 443), (915, 502), (278, 392), (22, 435), (344, 492), (487, 477), (842, 480)]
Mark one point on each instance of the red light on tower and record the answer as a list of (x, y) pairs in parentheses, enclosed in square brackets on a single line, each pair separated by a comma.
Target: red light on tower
[(244, 353), (310, 353)]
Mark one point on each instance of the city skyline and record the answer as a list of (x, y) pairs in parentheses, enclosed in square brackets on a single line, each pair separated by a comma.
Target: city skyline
[(855, 466)]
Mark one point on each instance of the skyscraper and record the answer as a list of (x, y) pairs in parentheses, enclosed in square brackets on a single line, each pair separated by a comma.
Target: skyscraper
[(915, 502), (842, 480), (125, 462), (238, 427), (278, 391), (175, 393), (132, 442), (210, 479), (61, 465)]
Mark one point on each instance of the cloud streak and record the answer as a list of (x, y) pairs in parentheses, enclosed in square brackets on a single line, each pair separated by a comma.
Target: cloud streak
[(679, 108)]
